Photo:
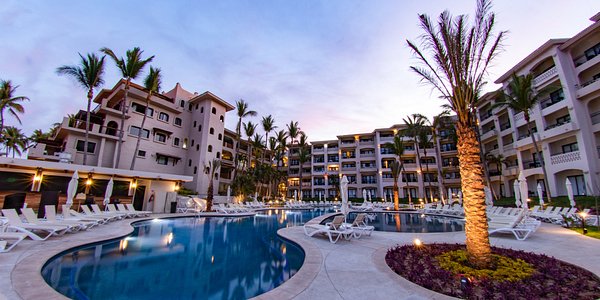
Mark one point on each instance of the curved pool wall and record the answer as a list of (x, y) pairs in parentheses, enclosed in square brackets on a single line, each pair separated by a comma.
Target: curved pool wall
[(184, 258), (409, 222)]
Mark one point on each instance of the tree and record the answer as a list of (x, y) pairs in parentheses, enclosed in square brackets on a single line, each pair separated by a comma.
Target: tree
[(212, 167), (414, 127), (397, 148), (152, 84), (88, 74), (37, 136), (249, 129), (281, 146), (14, 140), (440, 122), (522, 97), (293, 131), (130, 67), (454, 58), (9, 102), (268, 124), (242, 111)]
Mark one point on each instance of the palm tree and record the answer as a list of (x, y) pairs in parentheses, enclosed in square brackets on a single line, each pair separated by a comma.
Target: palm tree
[(293, 131), (414, 128), (397, 148), (211, 169), (249, 129), (14, 140), (522, 97), (130, 69), (268, 124), (152, 84), (440, 122), (258, 146), (88, 74), (242, 111), (9, 102), (281, 145), (454, 61), (37, 136), (303, 154)]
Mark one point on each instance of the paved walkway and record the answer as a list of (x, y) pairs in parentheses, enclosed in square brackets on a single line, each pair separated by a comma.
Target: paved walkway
[(347, 270)]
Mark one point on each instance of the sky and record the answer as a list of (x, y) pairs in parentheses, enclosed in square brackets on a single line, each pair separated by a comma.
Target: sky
[(336, 66)]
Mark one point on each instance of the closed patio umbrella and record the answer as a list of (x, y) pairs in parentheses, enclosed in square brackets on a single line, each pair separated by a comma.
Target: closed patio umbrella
[(517, 193), (540, 194), (228, 193), (460, 198), (72, 188), (570, 192), (524, 190), (109, 191), (488, 196), (344, 194), (369, 195), (364, 195), (295, 195), (449, 196)]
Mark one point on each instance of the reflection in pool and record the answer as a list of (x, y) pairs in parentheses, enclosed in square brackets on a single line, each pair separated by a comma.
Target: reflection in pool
[(184, 258), (409, 222)]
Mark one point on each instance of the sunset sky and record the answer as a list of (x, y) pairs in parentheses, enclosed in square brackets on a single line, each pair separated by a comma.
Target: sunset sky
[(336, 66)]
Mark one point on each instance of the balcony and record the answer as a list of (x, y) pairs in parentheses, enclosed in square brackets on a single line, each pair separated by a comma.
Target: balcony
[(565, 158), (488, 134), (531, 164), (558, 128), (318, 150), (595, 117), (588, 87), (544, 77), (368, 181), (348, 143), (511, 171), (504, 126), (369, 154)]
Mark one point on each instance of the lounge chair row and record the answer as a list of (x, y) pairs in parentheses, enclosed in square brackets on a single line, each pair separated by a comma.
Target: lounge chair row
[(337, 229), (232, 208), (298, 204), (17, 227), (521, 225)]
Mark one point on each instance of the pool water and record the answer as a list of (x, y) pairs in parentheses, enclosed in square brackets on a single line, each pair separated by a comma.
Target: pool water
[(409, 222), (184, 258)]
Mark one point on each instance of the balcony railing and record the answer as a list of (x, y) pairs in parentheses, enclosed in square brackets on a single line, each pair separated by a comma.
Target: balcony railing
[(371, 154), (530, 164), (580, 86), (547, 74), (368, 181), (595, 117), (557, 125), (565, 157), (549, 102), (504, 126)]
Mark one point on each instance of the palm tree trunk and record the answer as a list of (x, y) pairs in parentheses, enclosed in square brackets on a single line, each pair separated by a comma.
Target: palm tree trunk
[(209, 197), (139, 136), (419, 164), (87, 125), (438, 159), (537, 150), (249, 155), (1, 122), (396, 205), (122, 132), (471, 174), (237, 148), (428, 181)]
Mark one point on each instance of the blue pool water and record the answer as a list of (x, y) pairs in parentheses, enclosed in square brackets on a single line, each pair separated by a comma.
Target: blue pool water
[(410, 222), (184, 258)]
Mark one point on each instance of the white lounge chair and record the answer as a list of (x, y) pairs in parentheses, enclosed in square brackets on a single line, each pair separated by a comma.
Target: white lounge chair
[(113, 210), (87, 214), (32, 218), (514, 225), (108, 217), (9, 240), (360, 227), (15, 224), (334, 229), (51, 217)]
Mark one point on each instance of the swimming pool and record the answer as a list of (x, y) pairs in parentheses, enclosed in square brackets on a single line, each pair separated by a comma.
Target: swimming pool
[(409, 222), (184, 258)]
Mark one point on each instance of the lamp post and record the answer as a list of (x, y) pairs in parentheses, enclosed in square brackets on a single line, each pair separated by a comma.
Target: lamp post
[(583, 216)]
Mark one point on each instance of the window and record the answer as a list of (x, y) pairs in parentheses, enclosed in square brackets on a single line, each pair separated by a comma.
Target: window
[(193, 142), (189, 163), (91, 147), (564, 119), (199, 127), (138, 108), (198, 147), (176, 142), (214, 110), (178, 121), (189, 106), (220, 136), (211, 131), (185, 143), (141, 153), (163, 116), (162, 160), (160, 137), (181, 103), (195, 170), (201, 110), (570, 148), (209, 148), (578, 184), (194, 124), (222, 119), (196, 106), (218, 154), (134, 130)]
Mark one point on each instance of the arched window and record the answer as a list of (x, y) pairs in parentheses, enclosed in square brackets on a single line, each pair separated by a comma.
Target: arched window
[(218, 154), (193, 142), (199, 127), (214, 110), (201, 110), (111, 128), (220, 136), (198, 147), (222, 119), (211, 131), (189, 163), (185, 143), (194, 124), (209, 148)]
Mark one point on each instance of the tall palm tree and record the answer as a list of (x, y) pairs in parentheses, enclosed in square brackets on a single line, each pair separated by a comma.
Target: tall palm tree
[(303, 154), (212, 167), (242, 111), (397, 148), (88, 74), (414, 127), (522, 97), (281, 145), (14, 140), (249, 129), (258, 146), (268, 124), (440, 122), (36, 137), (293, 131), (454, 56), (152, 84), (130, 67), (9, 102)]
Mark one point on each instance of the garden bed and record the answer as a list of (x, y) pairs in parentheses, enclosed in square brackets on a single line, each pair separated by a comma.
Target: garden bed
[(537, 276)]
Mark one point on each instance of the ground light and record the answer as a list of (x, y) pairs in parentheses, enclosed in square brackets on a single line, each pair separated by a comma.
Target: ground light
[(417, 242), (583, 216)]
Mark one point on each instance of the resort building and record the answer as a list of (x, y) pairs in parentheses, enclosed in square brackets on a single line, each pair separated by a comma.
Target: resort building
[(364, 159), (566, 121), (183, 131)]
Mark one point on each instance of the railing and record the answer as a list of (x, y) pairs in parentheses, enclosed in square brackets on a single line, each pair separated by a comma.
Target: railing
[(319, 161), (505, 126), (519, 116), (580, 86), (542, 77), (549, 102), (486, 115), (484, 131), (508, 147), (348, 156), (530, 164), (368, 181), (348, 142), (565, 157), (557, 125), (371, 154), (348, 168), (595, 117), (366, 142)]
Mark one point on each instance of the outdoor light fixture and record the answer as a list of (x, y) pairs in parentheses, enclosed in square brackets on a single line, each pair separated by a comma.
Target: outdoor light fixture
[(583, 216), (417, 242)]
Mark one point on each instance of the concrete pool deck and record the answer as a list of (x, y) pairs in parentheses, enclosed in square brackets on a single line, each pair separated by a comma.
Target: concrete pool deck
[(352, 269)]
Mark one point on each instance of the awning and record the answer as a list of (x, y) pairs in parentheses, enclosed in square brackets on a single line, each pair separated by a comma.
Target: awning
[(156, 129)]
